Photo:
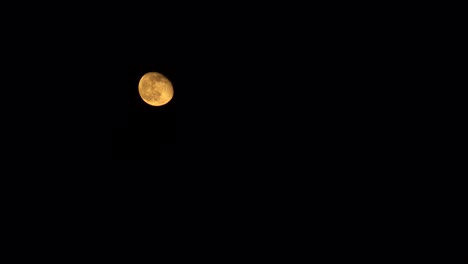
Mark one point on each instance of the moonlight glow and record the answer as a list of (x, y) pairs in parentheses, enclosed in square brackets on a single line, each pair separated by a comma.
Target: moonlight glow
[(155, 89)]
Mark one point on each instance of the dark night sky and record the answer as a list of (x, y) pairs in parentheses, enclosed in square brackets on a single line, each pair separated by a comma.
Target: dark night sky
[(271, 111)]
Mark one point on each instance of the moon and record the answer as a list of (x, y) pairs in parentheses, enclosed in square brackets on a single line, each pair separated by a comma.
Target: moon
[(155, 89)]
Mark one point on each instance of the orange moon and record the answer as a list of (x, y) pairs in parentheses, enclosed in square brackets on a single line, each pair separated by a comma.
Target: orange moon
[(155, 89)]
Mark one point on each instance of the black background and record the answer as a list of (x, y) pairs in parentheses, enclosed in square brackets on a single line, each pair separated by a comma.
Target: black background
[(275, 114)]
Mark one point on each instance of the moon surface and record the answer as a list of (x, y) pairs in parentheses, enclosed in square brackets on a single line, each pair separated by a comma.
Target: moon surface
[(155, 89)]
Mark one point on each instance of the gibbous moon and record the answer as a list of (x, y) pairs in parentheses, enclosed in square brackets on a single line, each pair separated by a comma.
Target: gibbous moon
[(155, 89)]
